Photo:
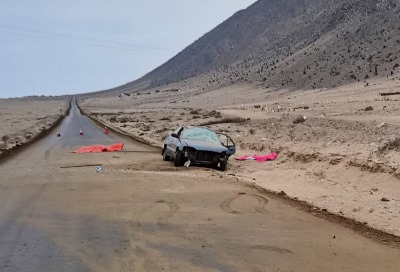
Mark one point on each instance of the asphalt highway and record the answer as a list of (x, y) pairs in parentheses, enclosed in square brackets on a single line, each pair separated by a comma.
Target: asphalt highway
[(139, 213)]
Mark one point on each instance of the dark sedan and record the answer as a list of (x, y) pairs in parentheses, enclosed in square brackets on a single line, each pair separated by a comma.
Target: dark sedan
[(198, 145)]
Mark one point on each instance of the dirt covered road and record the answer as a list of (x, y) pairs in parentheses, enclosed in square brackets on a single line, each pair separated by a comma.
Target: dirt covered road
[(139, 213), (343, 158)]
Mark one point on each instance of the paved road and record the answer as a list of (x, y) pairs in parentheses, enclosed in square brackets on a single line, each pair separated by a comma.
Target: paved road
[(141, 214)]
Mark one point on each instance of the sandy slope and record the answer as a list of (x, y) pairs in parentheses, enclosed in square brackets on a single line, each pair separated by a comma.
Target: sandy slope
[(22, 119), (342, 158)]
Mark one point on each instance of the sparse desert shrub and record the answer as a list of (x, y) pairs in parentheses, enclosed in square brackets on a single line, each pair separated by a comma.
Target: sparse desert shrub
[(369, 108), (256, 147), (28, 135), (320, 174), (393, 144), (5, 138), (215, 114), (3, 145), (146, 128), (123, 119), (161, 130)]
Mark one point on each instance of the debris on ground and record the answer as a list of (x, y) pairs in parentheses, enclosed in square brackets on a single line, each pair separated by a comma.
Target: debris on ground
[(78, 166), (300, 119), (381, 125), (335, 160), (99, 148), (260, 158)]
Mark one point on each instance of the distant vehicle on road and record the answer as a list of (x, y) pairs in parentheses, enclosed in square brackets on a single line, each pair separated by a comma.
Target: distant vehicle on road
[(198, 146)]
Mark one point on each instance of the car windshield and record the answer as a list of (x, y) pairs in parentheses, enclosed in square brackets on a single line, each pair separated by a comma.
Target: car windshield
[(201, 134)]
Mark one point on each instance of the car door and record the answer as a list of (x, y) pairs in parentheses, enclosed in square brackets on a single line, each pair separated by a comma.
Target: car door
[(173, 142), (228, 143)]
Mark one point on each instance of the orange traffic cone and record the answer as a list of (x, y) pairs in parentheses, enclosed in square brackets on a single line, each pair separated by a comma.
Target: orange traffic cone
[(105, 130), (80, 132)]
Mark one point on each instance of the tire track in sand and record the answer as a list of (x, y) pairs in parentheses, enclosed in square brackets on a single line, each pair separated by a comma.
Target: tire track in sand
[(260, 207), (173, 208), (161, 217)]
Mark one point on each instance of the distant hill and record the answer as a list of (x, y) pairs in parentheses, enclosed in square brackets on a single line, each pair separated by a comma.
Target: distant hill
[(291, 44)]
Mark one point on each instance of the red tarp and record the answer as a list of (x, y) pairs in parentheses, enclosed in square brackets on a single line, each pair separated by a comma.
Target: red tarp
[(260, 158), (99, 148)]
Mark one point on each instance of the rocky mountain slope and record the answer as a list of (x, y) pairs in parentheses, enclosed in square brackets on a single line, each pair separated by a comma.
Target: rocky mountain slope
[(291, 44)]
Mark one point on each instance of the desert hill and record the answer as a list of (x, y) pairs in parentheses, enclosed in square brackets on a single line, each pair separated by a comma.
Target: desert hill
[(252, 78), (295, 44)]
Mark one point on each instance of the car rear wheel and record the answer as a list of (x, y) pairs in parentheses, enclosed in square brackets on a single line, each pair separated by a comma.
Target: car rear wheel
[(178, 158), (164, 154)]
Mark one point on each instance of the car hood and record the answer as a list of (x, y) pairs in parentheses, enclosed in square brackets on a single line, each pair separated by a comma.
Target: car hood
[(205, 146)]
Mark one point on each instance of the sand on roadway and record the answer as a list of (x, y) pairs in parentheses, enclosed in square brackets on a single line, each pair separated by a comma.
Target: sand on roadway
[(140, 213), (343, 159)]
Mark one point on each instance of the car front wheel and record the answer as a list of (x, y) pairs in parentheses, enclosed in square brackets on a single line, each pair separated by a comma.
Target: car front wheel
[(222, 165), (178, 160)]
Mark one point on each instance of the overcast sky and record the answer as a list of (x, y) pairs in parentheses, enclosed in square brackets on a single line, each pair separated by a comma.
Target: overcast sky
[(53, 47)]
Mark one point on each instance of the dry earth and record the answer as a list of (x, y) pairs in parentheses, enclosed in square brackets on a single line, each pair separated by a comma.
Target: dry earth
[(25, 118), (344, 158)]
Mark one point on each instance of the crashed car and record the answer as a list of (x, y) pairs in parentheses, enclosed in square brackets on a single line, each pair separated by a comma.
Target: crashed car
[(198, 146)]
